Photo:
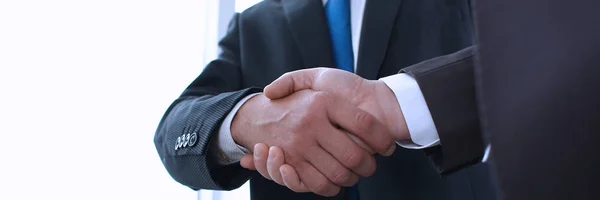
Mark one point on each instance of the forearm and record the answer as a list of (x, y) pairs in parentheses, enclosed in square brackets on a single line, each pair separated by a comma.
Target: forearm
[(194, 165), (448, 86)]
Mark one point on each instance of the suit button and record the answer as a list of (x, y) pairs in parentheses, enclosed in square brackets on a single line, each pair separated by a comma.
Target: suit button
[(177, 143), (193, 139)]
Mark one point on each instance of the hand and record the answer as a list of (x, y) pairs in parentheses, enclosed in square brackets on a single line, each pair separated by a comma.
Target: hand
[(274, 164), (305, 126), (373, 96)]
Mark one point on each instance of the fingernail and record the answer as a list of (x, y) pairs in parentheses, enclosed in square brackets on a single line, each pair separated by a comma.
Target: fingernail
[(258, 151), (271, 152), (391, 150)]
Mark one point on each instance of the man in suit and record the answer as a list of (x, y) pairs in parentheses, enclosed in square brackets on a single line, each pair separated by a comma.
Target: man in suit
[(536, 93), (206, 131)]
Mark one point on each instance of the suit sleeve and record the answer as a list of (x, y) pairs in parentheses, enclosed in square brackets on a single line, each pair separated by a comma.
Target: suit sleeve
[(199, 111), (448, 86)]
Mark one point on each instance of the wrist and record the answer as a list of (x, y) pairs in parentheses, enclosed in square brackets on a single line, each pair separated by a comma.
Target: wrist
[(391, 109), (241, 125)]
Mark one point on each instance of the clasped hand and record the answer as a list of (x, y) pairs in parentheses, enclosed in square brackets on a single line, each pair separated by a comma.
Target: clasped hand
[(316, 130)]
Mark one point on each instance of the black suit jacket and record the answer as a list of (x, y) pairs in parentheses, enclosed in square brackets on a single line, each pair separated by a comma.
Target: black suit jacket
[(539, 86), (274, 37)]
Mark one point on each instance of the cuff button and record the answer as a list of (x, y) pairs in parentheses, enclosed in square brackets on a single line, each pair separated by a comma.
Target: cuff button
[(185, 139), (193, 139), (181, 141), (177, 143)]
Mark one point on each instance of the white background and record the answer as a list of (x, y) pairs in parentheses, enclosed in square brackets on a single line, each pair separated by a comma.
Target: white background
[(83, 85)]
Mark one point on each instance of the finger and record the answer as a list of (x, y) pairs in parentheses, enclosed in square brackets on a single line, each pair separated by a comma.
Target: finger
[(274, 162), (291, 82), (291, 179), (361, 124), (260, 159), (247, 162), (347, 152), (315, 181), (330, 167), (360, 143)]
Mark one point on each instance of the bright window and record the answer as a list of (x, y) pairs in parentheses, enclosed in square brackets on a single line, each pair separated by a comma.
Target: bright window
[(83, 86)]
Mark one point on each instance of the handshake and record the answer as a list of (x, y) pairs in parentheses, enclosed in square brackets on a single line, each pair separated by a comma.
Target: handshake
[(317, 130)]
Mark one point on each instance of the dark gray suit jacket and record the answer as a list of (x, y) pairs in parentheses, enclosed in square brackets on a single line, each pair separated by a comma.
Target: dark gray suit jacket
[(278, 36)]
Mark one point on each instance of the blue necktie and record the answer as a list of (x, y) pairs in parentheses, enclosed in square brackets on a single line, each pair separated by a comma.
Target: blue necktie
[(338, 20)]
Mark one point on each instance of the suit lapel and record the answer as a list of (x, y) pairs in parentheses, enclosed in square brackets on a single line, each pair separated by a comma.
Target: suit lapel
[(308, 25), (378, 21)]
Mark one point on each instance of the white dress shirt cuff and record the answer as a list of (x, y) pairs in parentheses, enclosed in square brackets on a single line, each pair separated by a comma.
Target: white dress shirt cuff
[(226, 150), (416, 113)]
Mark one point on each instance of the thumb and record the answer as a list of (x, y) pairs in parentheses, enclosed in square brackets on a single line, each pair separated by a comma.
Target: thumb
[(291, 82), (247, 162)]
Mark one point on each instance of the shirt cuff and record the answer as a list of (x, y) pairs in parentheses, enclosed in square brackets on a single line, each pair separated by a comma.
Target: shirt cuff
[(418, 119), (486, 154), (226, 150)]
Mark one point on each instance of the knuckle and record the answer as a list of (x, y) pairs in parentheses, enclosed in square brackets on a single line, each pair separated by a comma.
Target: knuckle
[(303, 120), (363, 121), (342, 177), (321, 98), (352, 158)]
